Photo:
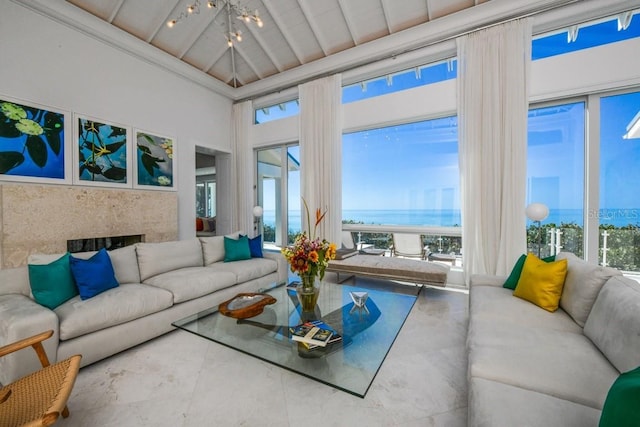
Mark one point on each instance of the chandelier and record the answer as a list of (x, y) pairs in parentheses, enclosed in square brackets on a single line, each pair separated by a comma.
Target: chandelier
[(232, 7)]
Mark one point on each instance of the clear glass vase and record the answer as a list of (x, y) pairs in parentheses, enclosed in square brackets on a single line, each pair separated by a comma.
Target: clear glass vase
[(308, 291)]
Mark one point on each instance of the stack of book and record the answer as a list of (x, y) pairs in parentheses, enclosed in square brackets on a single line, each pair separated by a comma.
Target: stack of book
[(315, 334)]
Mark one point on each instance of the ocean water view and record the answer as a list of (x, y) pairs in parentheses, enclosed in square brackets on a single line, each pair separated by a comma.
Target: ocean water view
[(451, 217)]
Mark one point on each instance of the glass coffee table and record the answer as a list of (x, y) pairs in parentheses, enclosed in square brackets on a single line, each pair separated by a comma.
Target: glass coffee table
[(351, 364)]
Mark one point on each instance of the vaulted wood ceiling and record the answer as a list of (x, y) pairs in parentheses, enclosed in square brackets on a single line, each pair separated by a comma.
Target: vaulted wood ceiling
[(295, 32)]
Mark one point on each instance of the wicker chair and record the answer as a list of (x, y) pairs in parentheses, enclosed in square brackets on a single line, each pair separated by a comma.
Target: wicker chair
[(39, 398)]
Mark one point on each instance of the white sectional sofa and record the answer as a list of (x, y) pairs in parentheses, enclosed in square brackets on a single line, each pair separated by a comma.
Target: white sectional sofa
[(158, 284), (531, 367)]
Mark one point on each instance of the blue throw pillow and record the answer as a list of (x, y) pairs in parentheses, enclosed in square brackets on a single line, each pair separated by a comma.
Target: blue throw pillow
[(255, 246), (52, 284), (94, 275), (236, 250)]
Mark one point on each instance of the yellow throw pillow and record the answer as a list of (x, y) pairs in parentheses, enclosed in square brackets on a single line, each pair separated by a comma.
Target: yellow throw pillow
[(541, 282)]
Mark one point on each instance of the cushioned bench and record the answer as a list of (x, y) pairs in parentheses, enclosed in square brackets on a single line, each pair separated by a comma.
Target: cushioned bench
[(403, 269)]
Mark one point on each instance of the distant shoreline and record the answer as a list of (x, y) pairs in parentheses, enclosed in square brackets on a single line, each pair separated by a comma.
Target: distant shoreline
[(451, 217)]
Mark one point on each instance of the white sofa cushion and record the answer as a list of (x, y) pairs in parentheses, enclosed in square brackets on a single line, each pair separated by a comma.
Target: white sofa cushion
[(498, 304), (562, 364), (614, 322), (494, 404), (246, 270), (125, 264), (582, 285), (158, 258), (213, 247), (110, 308), (193, 282)]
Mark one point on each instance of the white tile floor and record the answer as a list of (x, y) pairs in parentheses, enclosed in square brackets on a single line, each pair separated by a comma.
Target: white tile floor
[(180, 379)]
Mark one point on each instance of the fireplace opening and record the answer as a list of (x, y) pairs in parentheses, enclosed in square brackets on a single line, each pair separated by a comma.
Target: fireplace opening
[(97, 243)]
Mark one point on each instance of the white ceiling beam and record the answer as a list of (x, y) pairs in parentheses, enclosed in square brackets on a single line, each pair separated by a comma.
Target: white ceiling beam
[(428, 10), (282, 26), (315, 28), (240, 51), (152, 36), (215, 57), (115, 11), (386, 6), (255, 32), (349, 21), (197, 34), (239, 79)]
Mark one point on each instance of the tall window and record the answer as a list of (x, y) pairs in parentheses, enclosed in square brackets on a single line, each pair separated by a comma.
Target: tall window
[(619, 213), (277, 111), (584, 36), (278, 172), (555, 175), (406, 79), (402, 175)]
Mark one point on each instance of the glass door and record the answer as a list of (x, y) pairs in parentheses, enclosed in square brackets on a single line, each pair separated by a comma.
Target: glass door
[(278, 185)]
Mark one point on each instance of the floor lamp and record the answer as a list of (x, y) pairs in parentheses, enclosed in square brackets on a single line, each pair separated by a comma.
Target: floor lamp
[(537, 212), (257, 214)]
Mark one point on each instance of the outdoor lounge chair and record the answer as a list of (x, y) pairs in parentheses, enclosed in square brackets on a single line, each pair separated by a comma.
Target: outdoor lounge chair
[(408, 245), (349, 242)]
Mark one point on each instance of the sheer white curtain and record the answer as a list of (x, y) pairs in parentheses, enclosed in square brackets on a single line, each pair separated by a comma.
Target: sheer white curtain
[(242, 125), (321, 152), (493, 89)]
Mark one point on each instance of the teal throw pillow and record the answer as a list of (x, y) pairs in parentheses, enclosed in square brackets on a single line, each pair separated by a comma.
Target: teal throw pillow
[(512, 280), (622, 402), (52, 284), (94, 275), (236, 250)]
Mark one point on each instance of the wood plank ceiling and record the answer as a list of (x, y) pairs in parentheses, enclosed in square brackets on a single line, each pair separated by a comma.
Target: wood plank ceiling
[(295, 32)]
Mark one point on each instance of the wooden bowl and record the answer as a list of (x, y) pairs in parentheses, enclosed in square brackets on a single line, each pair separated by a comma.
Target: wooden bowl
[(245, 305)]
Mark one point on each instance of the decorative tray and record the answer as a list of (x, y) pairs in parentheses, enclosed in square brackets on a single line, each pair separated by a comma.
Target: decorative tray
[(245, 305)]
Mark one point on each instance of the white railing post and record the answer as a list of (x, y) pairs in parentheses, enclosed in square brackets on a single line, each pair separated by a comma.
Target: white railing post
[(605, 234), (552, 241), (558, 241)]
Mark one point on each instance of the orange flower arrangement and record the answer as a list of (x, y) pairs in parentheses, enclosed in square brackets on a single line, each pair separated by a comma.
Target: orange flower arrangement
[(309, 255)]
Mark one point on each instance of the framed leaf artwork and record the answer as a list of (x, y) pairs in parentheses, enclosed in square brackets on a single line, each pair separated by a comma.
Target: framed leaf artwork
[(32, 143), (155, 166), (102, 153)]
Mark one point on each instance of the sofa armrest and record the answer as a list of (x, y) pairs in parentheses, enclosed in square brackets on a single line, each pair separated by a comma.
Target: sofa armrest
[(283, 266), (487, 280), (22, 317)]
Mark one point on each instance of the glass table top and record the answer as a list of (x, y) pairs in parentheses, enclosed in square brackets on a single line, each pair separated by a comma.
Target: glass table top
[(351, 364)]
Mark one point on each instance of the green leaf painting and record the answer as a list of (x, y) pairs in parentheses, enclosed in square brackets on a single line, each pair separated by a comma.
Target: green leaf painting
[(102, 152), (31, 141), (155, 160)]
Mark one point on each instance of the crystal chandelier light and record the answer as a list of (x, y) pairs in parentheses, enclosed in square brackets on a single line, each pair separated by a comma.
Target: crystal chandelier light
[(232, 7)]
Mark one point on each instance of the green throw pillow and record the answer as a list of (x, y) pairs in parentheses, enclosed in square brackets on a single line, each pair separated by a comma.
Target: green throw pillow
[(236, 250), (52, 284), (622, 402), (512, 280)]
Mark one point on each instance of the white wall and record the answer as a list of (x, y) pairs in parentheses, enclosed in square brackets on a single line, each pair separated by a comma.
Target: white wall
[(48, 63)]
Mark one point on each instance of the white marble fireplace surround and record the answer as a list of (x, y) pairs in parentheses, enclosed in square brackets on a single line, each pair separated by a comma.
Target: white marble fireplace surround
[(38, 218)]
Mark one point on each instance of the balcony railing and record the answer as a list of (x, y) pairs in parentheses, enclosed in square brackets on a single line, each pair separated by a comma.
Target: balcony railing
[(618, 247), (440, 240)]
